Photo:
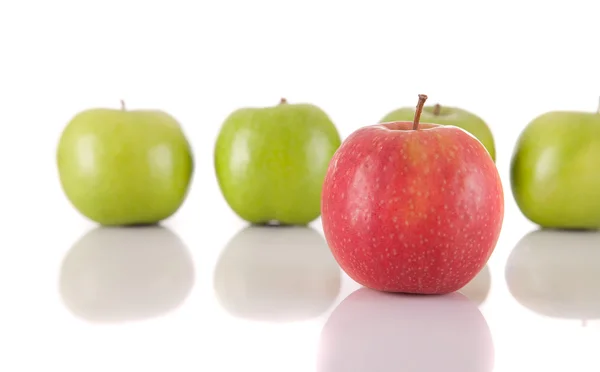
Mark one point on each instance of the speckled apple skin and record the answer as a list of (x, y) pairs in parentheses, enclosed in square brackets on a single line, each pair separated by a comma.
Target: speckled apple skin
[(412, 211)]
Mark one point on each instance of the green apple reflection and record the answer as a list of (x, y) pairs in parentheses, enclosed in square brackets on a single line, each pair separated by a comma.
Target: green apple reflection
[(477, 290), (277, 274), (383, 332), (117, 274), (557, 273)]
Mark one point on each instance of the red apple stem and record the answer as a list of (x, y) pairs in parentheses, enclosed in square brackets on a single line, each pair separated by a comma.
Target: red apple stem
[(437, 109), (123, 105), (420, 104), (283, 101)]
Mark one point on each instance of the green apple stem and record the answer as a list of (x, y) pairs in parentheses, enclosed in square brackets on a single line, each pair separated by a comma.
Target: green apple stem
[(437, 109), (283, 101), (422, 99), (123, 105)]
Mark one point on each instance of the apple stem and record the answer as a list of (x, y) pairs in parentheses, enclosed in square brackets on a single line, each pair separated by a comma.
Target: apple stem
[(437, 109), (283, 101), (422, 99), (123, 105)]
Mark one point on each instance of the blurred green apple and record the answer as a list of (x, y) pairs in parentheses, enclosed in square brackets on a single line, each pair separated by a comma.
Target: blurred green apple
[(121, 167), (458, 117), (555, 170), (271, 162)]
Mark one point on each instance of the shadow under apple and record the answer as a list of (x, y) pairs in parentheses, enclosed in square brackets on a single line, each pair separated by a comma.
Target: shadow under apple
[(383, 332), (478, 289), (557, 273), (115, 274), (277, 274)]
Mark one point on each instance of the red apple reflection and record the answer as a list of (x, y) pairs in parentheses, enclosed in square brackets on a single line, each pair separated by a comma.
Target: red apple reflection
[(372, 331)]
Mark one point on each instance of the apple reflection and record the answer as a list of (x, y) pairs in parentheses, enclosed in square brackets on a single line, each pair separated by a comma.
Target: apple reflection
[(383, 332), (557, 273), (125, 274), (277, 274), (478, 288)]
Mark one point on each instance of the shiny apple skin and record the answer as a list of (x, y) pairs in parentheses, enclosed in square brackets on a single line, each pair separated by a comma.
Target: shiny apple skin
[(412, 211)]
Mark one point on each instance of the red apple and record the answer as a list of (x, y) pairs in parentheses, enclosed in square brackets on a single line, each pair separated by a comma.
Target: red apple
[(412, 207)]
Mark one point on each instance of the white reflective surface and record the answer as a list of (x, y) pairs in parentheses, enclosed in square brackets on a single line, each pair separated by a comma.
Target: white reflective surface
[(226, 296)]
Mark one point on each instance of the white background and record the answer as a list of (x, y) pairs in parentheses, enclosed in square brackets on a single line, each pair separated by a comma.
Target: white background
[(507, 61)]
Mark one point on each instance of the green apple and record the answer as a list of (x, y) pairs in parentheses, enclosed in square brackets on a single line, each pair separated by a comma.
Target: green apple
[(122, 167), (270, 162), (555, 170), (455, 116)]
